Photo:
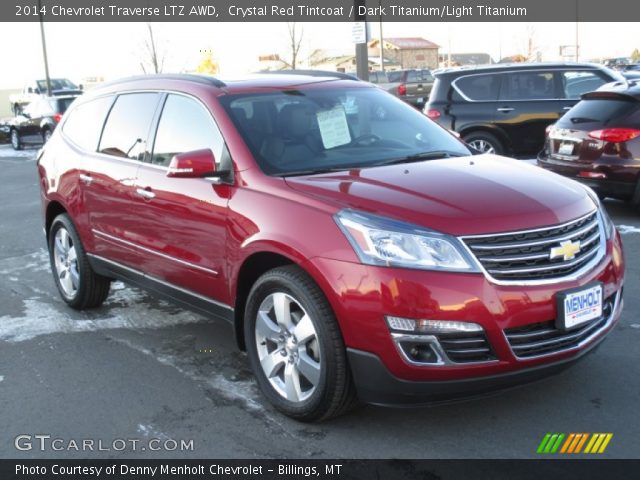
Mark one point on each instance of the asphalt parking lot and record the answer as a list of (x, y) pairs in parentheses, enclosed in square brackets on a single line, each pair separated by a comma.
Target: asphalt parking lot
[(131, 370)]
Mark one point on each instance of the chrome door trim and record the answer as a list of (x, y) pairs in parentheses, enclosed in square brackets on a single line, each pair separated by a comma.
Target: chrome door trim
[(121, 242)]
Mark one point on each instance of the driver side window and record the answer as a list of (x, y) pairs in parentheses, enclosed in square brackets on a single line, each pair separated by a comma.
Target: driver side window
[(185, 126)]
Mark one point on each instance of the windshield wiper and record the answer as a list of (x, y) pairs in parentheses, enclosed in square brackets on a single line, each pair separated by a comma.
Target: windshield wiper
[(311, 171), (418, 157)]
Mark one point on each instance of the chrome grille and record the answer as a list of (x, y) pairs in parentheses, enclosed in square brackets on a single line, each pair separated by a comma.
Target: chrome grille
[(544, 338), (526, 255)]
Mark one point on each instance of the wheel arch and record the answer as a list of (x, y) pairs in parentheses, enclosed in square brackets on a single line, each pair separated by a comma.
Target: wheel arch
[(54, 208)]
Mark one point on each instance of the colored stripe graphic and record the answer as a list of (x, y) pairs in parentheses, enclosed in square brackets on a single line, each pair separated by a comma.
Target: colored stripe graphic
[(572, 443), (581, 442)]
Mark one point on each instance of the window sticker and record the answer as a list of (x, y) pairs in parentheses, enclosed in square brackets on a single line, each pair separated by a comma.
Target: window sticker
[(333, 127)]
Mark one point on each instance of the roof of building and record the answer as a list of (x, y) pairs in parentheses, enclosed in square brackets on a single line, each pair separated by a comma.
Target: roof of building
[(407, 43)]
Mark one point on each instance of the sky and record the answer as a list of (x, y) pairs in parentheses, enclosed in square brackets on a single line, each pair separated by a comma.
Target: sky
[(112, 50)]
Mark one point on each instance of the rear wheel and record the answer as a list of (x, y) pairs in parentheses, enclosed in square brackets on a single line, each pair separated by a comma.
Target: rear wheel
[(295, 347), (79, 286), (16, 141), (484, 142)]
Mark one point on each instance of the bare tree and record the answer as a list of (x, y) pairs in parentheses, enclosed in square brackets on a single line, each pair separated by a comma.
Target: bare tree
[(153, 55), (295, 40)]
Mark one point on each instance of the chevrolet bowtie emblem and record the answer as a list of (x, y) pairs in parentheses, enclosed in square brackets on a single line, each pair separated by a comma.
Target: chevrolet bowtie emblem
[(567, 250)]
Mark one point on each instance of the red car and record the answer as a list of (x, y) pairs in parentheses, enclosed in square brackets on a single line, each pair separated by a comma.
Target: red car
[(597, 142), (358, 249)]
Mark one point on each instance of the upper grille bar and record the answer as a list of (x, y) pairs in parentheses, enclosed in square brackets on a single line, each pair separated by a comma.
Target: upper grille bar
[(525, 256)]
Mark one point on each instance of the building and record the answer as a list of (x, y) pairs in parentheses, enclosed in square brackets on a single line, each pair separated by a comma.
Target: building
[(341, 61), (408, 52), (458, 59)]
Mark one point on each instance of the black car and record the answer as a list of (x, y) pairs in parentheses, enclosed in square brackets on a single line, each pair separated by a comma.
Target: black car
[(36, 122), (506, 108), (597, 142)]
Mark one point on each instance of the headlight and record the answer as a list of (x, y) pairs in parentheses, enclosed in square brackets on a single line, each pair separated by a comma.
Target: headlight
[(609, 226), (382, 241)]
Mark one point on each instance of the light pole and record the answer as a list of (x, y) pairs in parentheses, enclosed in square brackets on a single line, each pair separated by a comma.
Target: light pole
[(44, 49), (362, 54), (381, 38)]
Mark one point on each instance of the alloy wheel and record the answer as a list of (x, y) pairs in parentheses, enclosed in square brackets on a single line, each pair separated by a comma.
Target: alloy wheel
[(66, 262), (482, 146), (287, 346)]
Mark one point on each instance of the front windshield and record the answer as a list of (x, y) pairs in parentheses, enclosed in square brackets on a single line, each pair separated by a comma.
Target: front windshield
[(322, 129)]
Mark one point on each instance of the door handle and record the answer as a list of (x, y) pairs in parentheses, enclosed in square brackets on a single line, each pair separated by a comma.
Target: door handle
[(506, 109), (86, 179), (566, 108), (145, 193)]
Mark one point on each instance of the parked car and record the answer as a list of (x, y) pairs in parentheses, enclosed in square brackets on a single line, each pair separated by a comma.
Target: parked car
[(597, 142), (506, 108), (358, 250), (38, 88), (37, 121), (412, 86)]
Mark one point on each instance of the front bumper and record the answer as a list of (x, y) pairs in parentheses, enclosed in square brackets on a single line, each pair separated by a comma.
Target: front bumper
[(362, 296), (377, 386)]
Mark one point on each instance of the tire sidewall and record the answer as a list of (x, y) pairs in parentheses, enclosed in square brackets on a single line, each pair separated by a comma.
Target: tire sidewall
[(272, 283), (63, 221), (16, 143)]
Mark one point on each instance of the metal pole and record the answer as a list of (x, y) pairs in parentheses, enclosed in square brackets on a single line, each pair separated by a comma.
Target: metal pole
[(44, 50), (381, 40), (362, 54)]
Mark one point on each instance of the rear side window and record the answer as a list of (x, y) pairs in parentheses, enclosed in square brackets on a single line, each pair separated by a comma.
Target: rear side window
[(395, 76), (479, 87), (185, 126), (127, 128), (577, 83), (528, 86), (61, 105), (601, 111), (84, 123)]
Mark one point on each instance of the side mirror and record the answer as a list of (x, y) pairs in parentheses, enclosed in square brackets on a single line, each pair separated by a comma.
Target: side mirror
[(30, 90), (195, 164)]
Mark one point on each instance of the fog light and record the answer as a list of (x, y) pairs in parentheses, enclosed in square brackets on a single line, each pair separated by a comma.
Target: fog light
[(419, 352), (431, 326)]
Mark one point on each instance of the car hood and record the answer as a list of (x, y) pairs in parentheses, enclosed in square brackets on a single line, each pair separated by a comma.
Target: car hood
[(459, 196)]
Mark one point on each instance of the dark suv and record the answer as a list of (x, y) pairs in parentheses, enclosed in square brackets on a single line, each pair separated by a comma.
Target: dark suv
[(506, 108), (35, 123), (597, 142), (357, 249)]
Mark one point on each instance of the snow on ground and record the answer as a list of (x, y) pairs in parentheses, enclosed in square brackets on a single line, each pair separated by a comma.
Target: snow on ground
[(7, 152)]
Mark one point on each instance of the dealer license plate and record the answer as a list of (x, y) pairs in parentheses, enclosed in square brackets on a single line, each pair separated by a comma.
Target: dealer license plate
[(579, 306), (566, 149)]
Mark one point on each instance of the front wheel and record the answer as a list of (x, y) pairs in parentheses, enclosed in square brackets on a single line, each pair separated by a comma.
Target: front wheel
[(16, 140), (79, 286), (295, 347)]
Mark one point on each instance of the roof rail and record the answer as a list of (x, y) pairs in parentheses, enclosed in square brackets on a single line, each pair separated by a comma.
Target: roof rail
[(314, 73), (188, 77)]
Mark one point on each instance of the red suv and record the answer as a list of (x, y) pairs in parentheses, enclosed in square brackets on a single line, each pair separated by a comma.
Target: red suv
[(357, 248)]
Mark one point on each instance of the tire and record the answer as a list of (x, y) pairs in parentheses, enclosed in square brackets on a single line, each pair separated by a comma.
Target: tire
[(306, 378), (484, 142), (79, 286), (46, 135), (16, 141)]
